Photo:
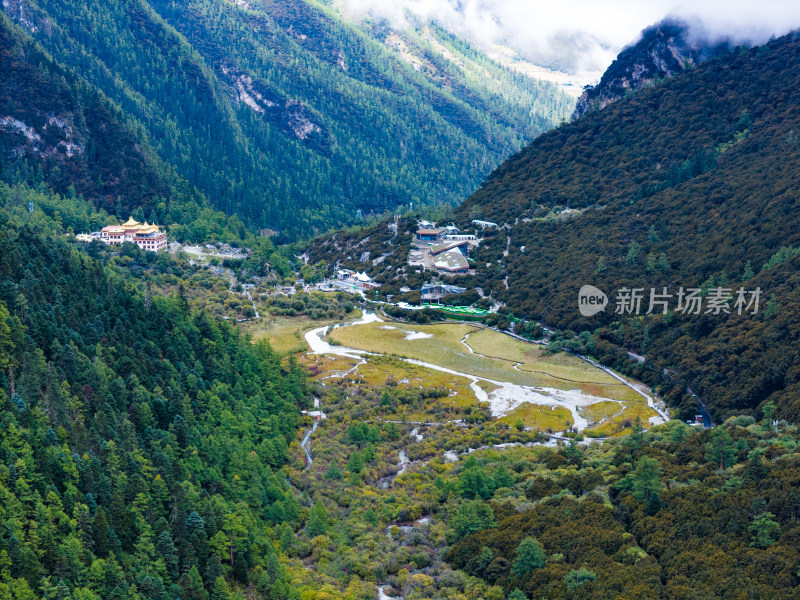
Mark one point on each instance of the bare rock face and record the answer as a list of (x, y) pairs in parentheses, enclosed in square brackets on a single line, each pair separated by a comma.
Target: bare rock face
[(665, 49)]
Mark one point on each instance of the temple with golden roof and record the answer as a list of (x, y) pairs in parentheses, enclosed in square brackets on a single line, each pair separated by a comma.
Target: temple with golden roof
[(146, 236)]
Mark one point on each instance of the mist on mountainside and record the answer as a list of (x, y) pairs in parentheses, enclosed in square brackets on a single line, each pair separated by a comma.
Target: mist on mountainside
[(582, 37)]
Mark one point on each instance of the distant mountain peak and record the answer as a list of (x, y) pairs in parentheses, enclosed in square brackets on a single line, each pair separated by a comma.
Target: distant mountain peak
[(664, 50)]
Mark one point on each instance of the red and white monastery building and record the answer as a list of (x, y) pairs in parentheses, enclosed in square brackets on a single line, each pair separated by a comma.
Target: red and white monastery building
[(146, 236)]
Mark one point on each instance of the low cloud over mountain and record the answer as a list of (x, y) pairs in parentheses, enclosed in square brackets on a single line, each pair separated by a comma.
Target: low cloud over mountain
[(583, 36)]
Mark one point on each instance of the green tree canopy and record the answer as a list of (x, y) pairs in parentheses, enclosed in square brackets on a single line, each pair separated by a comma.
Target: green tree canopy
[(530, 556)]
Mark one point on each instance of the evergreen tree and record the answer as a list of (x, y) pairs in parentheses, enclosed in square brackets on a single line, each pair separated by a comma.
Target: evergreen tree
[(470, 517), (579, 577), (333, 472), (721, 449), (317, 521), (100, 532), (765, 530), (473, 481), (646, 478), (220, 590), (530, 556), (601, 265), (355, 464), (192, 585), (748, 272)]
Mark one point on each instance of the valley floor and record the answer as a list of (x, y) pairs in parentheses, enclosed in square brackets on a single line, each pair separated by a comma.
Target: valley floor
[(521, 384)]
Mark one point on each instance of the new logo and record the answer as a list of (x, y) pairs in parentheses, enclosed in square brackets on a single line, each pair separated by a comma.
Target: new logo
[(591, 300)]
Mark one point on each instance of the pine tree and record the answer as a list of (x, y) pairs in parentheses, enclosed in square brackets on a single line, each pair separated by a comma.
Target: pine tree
[(502, 478), (220, 590), (333, 472), (473, 481), (646, 478), (100, 532), (765, 529), (633, 252), (471, 516), (317, 521), (748, 272), (192, 585), (720, 449), (355, 464), (530, 556), (601, 265)]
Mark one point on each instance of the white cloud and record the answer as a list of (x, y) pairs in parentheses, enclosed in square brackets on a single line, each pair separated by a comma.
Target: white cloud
[(583, 36)]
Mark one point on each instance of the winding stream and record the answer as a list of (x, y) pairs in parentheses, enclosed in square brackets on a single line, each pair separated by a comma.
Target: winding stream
[(503, 400)]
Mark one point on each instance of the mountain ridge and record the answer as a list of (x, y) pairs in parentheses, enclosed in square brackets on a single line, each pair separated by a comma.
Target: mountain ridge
[(698, 170), (285, 114), (664, 50)]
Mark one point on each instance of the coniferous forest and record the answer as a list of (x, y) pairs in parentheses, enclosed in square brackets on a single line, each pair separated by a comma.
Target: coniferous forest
[(170, 428), (279, 111), (134, 431)]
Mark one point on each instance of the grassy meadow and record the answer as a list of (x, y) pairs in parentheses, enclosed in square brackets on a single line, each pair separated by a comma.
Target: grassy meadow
[(285, 334), (481, 352)]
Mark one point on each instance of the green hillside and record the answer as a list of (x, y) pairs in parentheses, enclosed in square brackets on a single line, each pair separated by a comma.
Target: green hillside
[(278, 111), (690, 183), (136, 434)]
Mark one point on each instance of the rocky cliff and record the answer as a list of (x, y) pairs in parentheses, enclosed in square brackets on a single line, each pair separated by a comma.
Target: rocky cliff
[(665, 49)]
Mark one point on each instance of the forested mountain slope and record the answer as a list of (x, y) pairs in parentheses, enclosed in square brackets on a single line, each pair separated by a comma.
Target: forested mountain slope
[(277, 110), (690, 183), (137, 437), (54, 127)]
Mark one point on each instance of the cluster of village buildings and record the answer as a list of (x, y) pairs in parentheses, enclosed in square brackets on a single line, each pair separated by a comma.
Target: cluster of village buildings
[(354, 281), (446, 250), (443, 249)]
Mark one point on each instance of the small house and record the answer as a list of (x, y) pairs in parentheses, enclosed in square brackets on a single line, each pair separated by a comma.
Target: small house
[(364, 281), (484, 224), (317, 415), (437, 291), (430, 235)]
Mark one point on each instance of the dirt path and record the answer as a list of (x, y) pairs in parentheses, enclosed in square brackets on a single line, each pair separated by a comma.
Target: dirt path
[(650, 400)]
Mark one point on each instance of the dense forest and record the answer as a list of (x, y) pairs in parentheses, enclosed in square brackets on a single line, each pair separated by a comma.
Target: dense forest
[(279, 111), (681, 515), (141, 440), (72, 145), (149, 450), (674, 512)]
